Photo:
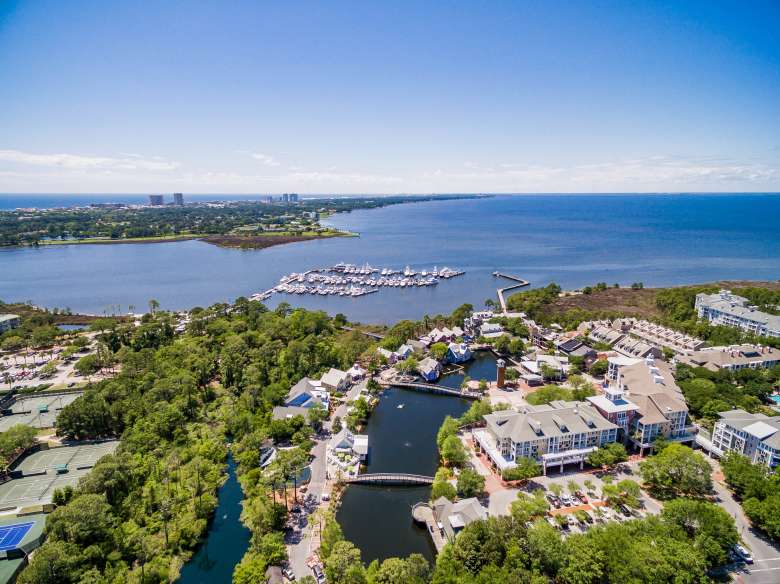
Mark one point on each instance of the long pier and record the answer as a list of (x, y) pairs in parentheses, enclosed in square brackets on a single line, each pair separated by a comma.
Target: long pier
[(433, 388), (391, 478), (519, 283)]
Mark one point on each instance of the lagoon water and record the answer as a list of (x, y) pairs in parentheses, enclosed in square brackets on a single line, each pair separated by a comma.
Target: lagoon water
[(573, 240)]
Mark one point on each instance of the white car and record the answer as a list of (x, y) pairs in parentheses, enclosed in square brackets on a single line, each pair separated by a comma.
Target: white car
[(743, 553)]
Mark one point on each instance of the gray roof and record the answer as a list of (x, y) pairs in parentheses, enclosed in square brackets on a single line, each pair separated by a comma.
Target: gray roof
[(557, 419), (738, 306), (457, 515), (734, 356), (765, 428), (651, 386), (428, 364), (284, 412)]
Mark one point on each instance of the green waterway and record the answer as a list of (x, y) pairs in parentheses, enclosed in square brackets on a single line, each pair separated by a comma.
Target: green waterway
[(226, 541)]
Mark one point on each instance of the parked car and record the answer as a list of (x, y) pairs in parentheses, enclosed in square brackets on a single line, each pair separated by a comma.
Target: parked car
[(319, 575), (289, 574), (743, 553), (581, 496), (625, 511)]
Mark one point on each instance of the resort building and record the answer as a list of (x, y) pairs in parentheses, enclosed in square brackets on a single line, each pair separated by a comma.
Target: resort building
[(555, 366), (662, 336), (472, 323), (733, 358), (458, 353), (554, 435), (387, 354), (490, 328), (541, 337), (451, 517), (429, 369), (727, 309), (303, 396), (356, 373), (9, 321), (646, 403), (632, 347), (444, 335), (576, 348), (418, 346), (753, 435), (606, 334), (335, 380), (616, 362), (348, 443), (403, 352)]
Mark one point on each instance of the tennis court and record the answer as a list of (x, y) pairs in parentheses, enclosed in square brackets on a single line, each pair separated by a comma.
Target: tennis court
[(41, 477), (12, 535), (39, 411)]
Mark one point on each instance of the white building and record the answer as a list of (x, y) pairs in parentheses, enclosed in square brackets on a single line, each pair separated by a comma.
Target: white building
[(335, 380), (733, 358), (753, 435), (727, 309), (553, 435)]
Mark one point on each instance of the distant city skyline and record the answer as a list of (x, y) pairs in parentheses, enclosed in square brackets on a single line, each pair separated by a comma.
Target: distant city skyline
[(370, 98)]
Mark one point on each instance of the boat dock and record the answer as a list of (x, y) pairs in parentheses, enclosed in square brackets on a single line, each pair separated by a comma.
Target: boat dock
[(423, 513), (519, 283), (353, 281)]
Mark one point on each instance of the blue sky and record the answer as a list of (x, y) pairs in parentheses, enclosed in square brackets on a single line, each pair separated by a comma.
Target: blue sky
[(370, 97)]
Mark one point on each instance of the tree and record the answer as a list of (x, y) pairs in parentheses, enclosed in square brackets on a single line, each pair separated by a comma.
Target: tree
[(343, 565), (599, 368), (87, 365), (408, 365), (317, 414), (412, 570), (710, 526), (625, 492), (438, 351), (529, 507), (442, 486), (453, 451), (677, 470), (470, 483), (608, 455), (449, 427), (583, 562), (524, 469), (336, 426)]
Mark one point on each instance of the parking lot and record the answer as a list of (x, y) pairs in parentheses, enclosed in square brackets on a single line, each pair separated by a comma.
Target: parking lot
[(40, 477)]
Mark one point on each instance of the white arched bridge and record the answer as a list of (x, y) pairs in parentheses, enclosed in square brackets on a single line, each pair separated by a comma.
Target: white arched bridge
[(390, 478)]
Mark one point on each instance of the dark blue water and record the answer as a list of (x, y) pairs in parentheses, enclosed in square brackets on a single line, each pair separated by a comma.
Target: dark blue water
[(378, 519), (573, 240), (227, 539)]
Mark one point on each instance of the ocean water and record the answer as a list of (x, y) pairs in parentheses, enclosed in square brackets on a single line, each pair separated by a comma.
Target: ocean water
[(572, 240)]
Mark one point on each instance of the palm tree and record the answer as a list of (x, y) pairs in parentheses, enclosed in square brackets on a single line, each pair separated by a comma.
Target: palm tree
[(573, 486)]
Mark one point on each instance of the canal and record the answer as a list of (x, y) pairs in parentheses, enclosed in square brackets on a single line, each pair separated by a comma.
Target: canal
[(226, 541), (402, 438)]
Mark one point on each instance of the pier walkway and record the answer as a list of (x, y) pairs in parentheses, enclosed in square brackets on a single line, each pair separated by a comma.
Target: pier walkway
[(432, 388), (390, 478), (422, 513), (376, 336), (519, 283)]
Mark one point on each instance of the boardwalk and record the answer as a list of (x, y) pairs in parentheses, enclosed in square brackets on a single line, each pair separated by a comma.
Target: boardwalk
[(433, 388), (376, 336), (422, 513), (391, 478), (520, 283)]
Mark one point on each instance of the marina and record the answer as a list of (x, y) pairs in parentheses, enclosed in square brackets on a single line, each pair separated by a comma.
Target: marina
[(353, 281)]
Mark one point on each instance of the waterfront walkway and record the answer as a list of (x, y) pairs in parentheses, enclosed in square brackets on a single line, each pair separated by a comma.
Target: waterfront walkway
[(391, 478), (422, 513), (433, 388), (519, 283)]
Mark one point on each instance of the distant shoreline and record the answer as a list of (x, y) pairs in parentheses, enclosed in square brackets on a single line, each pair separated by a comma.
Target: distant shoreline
[(226, 241)]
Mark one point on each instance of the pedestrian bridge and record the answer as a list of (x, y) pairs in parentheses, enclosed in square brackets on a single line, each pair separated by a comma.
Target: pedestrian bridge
[(433, 388), (391, 478)]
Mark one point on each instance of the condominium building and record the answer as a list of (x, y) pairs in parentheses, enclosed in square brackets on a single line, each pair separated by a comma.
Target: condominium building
[(9, 321), (156, 200), (646, 403), (727, 309), (553, 435), (753, 435), (178, 199), (655, 334), (733, 358)]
